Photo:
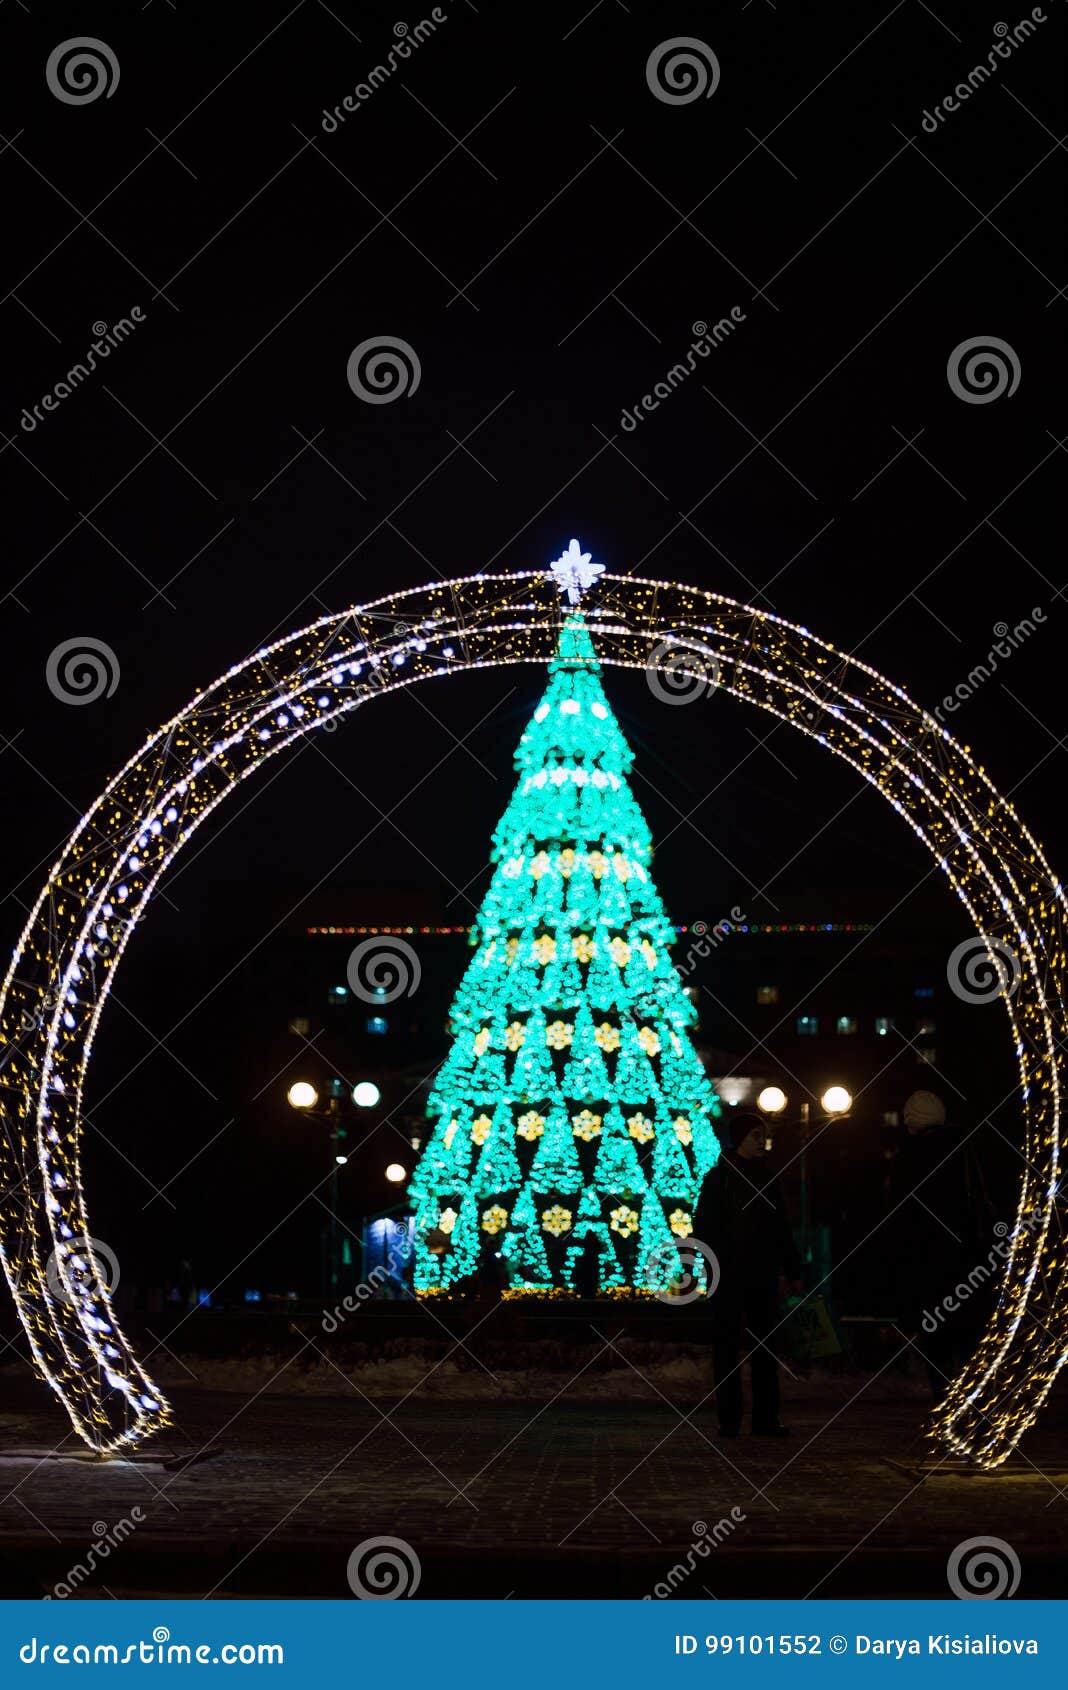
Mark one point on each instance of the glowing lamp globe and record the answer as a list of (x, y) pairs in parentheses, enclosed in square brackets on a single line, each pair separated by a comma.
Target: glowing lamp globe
[(366, 1094), (836, 1100), (396, 1174), (772, 1100), (302, 1095)]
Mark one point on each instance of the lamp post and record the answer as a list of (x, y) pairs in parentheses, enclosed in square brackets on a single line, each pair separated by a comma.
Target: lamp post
[(835, 1104), (303, 1096)]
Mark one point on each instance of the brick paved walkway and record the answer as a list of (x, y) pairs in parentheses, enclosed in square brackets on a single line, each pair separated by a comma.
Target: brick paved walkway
[(530, 1499)]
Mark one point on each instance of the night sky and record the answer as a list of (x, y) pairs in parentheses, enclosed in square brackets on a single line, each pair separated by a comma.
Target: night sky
[(518, 205)]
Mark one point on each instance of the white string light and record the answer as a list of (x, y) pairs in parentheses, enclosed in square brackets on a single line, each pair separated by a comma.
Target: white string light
[(97, 891)]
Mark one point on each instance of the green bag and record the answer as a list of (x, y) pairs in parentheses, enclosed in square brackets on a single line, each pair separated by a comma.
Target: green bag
[(808, 1332)]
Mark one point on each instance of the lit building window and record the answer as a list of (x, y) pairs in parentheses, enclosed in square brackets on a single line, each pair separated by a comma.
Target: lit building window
[(767, 994), (884, 1024), (300, 1025), (377, 1024), (846, 1024), (891, 1117), (925, 1028), (924, 992), (338, 994), (808, 1025)]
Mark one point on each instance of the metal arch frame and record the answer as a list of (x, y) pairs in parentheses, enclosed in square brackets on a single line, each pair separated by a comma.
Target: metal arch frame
[(98, 889)]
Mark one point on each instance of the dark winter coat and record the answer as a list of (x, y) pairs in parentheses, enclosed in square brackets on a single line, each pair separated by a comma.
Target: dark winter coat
[(741, 1216)]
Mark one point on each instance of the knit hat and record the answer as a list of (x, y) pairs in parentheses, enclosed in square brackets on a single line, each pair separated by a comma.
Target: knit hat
[(740, 1123)]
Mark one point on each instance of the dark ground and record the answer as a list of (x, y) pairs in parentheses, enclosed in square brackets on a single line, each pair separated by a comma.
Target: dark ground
[(528, 1499)]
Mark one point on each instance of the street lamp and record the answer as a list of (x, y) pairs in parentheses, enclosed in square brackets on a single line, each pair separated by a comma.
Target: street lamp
[(303, 1096), (772, 1100), (366, 1094), (836, 1100), (396, 1174)]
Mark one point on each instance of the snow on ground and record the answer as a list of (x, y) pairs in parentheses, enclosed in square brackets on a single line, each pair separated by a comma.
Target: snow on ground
[(681, 1378)]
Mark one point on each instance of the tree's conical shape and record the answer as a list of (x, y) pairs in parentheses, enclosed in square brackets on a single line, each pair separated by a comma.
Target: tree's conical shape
[(573, 1101)]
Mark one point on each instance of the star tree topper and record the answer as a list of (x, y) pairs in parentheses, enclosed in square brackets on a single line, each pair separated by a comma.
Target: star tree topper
[(574, 572)]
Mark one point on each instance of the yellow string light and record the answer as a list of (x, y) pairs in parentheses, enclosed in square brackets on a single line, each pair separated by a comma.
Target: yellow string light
[(65, 962)]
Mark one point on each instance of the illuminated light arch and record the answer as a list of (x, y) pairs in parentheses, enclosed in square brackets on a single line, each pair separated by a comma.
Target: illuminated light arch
[(65, 962)]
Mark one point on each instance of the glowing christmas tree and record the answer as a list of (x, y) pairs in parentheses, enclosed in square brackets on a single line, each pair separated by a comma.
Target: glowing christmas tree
[(572, 1104)]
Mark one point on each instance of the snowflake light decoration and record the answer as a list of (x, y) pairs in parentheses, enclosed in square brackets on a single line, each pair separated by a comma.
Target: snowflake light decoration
[(575, 572)]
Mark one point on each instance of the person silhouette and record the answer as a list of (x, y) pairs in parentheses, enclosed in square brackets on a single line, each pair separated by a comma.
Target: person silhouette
[(741, 1216)]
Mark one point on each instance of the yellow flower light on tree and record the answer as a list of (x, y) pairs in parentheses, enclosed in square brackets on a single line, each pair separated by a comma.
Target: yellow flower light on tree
[(648, 952), (598, 864), (586, 1125), (514, 1035), (447, 1219), (556, 1220), (544, 949), (480, 1129), (558, 1035), (494, 1219), (649, 1042), (531, 1125), (539, 864), (481, 1041), (619, 951), (567, 862), (607, 1036), (582, 947), (624, 1221), (681, 1223), (450, 1133), (683, 1129), (640, 1127)]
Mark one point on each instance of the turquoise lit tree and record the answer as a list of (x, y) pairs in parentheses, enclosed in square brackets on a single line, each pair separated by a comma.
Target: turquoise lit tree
[(572, 1104)]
